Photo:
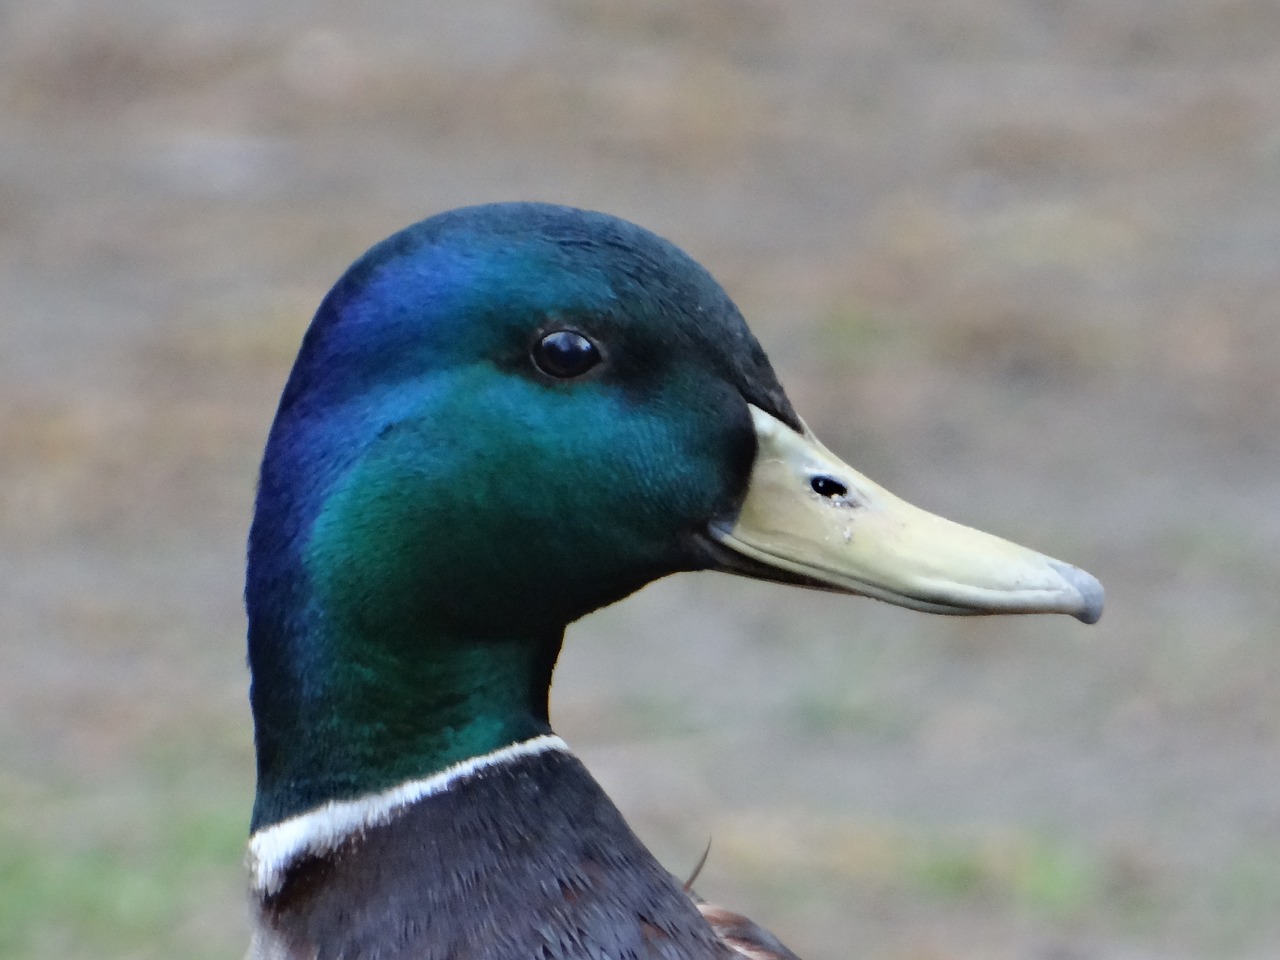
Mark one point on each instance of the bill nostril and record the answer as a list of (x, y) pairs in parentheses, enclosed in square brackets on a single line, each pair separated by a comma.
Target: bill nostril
[(828, 487)]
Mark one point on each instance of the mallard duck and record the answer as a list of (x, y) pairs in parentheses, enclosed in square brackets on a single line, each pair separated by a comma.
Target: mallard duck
[(501, 419)]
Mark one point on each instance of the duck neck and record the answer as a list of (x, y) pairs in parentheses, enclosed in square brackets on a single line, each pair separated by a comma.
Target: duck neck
[(344, 714)]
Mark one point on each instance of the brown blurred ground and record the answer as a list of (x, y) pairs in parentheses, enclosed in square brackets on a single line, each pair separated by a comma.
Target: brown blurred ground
[(1018, 260)]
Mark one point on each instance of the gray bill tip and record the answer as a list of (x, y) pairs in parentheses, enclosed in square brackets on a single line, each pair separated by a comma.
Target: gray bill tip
[(1090, 590)]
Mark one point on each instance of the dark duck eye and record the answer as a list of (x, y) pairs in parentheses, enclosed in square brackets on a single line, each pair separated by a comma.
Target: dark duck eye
[(565, 354)]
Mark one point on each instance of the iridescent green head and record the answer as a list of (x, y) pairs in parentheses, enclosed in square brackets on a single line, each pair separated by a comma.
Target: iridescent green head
[(501, 419)]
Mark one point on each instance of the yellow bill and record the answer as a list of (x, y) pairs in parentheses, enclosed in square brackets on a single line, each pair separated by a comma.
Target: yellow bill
[(811, 518)]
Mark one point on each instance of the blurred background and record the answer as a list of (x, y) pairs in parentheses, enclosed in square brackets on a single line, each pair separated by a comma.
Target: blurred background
[(1018, 260)]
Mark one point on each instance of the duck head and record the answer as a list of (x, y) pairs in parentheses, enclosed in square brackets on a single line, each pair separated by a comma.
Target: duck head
[(503, 418)]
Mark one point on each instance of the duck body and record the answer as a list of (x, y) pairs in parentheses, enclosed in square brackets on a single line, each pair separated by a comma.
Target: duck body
[(503, 418), (526, 859)]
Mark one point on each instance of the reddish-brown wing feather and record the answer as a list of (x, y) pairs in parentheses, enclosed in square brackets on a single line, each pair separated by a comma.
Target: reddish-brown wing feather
[(749, 940)]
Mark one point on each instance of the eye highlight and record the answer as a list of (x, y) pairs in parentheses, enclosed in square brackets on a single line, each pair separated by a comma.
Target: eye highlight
[(564, 354)]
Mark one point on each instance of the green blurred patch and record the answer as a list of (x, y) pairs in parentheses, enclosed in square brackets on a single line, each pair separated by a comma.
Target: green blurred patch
[(1044, 875), (122, 897), (146, 863), (841, 712), (850, 688), (1243, 898), (645, 717)]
